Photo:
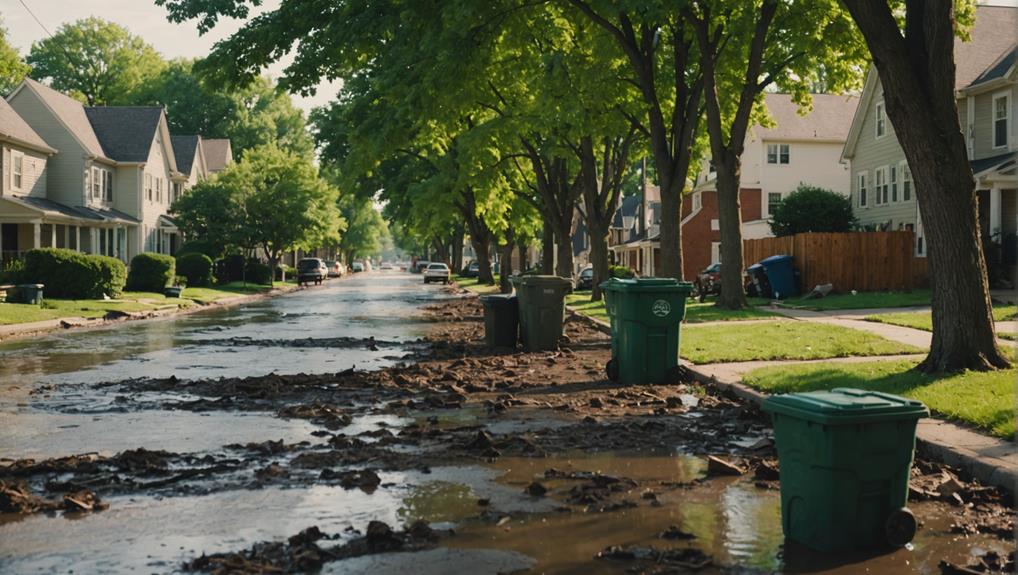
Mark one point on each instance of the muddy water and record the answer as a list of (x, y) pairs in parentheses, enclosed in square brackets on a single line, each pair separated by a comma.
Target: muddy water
[(67, 415)]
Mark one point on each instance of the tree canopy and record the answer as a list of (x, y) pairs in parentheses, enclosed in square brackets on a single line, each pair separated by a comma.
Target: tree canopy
[(12, 68), (812, 209)]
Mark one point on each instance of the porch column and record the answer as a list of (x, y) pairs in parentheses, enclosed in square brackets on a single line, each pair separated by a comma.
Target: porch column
[(53, 235), (67, 236), (36, 235), (994, 210), (77, 238)]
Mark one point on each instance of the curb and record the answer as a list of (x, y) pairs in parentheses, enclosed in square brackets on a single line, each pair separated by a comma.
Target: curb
[(988, 470)]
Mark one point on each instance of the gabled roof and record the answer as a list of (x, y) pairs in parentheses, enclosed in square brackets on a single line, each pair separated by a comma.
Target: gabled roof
[(987, 56), (990, 164), (994, 33), (628, 209), (184, 149), (828, 121), (13, 127), (218, 154), (69, 111), (125, 132)]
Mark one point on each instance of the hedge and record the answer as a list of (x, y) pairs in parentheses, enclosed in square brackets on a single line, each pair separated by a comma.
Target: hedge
[(151, 272), (74, 275), (258, 273), (199, 247), (621, 272), (196, 267), (231, 268)]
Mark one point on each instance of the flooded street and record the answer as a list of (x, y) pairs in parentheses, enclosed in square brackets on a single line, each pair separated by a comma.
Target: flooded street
[(218, 439)]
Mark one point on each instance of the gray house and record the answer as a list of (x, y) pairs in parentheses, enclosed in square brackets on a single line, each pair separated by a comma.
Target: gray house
[(882, 189)]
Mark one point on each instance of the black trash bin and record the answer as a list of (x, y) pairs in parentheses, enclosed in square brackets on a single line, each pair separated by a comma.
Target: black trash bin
[(758, 276), (501, 320)]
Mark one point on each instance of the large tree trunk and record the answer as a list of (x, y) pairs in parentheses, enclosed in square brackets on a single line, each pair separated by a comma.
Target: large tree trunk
[(547, 249), (558, 193), (733, 295), (564, 248), (483, 251), (598, 260), (506, 266), (480, 235), (521, 249), (917, 72)]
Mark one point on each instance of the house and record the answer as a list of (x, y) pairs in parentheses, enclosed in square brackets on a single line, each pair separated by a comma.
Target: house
[(882, 191), (792, 149), (218, 154), (636, 230), (94, 179)]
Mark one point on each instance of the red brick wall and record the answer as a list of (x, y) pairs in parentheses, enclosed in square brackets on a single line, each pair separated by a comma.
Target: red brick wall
[(697, 234)]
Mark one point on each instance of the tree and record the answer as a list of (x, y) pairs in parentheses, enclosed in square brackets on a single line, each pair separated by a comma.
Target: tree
[(257, 114), (744, 47), (915, 63), (286, 205), (365, 227), (98, 61), (12, 68), (812, 209), (211, 211)]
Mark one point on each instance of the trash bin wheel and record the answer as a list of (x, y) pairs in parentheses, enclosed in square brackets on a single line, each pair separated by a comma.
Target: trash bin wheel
[(612, 369), (901, 527)]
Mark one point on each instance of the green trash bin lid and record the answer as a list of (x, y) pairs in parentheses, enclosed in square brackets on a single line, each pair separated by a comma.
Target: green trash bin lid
[(845, 406), (647, 284), (540, 281)]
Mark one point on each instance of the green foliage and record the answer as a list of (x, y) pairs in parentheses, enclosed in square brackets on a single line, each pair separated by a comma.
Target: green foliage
[(200, 247), (151, 272), (256, 114), (98, 61), (290, 271), (230, 268), (12, 68), (196, 267), (213, 211), (621, 272), (365, 227), (12, 271), (258, 272), (70, 274), (812, 209)]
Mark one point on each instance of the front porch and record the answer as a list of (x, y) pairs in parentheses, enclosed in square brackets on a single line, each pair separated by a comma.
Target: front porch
[(997, 192)]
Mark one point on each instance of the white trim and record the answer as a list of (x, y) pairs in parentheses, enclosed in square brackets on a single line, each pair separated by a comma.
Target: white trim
[(904, 170), (862, 189), (880, 118), (777, 154), (881, 198), (15, 154)]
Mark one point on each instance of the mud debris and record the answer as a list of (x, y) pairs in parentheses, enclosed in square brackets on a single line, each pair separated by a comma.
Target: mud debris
[(17, 498)]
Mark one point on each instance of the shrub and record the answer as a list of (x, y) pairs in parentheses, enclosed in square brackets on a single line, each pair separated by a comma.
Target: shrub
[(151, 272), (621, 272), (200, 247), (12, 272), (69, 274), (291, 272), (812, 209), (196, 267), (258, 273), (230, 268)]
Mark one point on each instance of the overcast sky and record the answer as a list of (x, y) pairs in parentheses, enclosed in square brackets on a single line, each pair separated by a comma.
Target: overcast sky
[(141, 17)]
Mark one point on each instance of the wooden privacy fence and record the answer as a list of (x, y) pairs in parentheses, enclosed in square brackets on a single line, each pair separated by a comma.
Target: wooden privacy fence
[(862, 261)]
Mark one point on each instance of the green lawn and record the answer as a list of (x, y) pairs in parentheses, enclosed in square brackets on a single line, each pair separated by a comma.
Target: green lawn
[(862, 300), (473, 285), (924, 320), (983, 399), (13, 313), (696, 312), (782, 340)]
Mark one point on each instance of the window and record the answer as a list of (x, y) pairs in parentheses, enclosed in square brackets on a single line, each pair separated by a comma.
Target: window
[(862, 189), (159, 190), (18, 172), (777, 154), (1001, 119), (773, 199), (906, 182), (148, 187), (715, 225), (894, 183), (697, 201), (176, 192), (880, 185), (881, 123), (715, 252), (97, 182), (108, 185)]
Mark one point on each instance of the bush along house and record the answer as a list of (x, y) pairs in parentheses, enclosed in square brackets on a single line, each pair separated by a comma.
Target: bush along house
[(883, 195), (98, 180), (793, 148)]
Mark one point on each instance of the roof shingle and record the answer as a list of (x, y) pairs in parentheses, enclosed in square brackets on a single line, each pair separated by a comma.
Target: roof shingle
[(125, 132), (218, 154), (184, 149), (71, 113), (14, 127), (829, 120)]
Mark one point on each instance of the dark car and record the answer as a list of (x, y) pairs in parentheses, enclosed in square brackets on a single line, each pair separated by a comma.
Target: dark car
[(311, 270), (708, 282), (472, 270), (585, 280)]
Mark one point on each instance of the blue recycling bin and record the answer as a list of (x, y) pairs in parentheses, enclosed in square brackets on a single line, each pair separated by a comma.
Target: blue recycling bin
[(780, 276)]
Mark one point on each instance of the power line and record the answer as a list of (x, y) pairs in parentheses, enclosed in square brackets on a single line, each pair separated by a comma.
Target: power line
[(36, 18)]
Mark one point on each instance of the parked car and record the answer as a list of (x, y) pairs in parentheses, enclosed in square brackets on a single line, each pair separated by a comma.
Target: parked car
[(311, 270), (437, 272), (356, 267), (335, 268), (472, 270), (420, 266), (386, 266), (585, 280)]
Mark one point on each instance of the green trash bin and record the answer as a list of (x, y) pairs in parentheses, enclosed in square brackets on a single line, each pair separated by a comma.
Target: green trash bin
[(30, 293), (646, 315), (501, 320), (845, 458), (542, 301)]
